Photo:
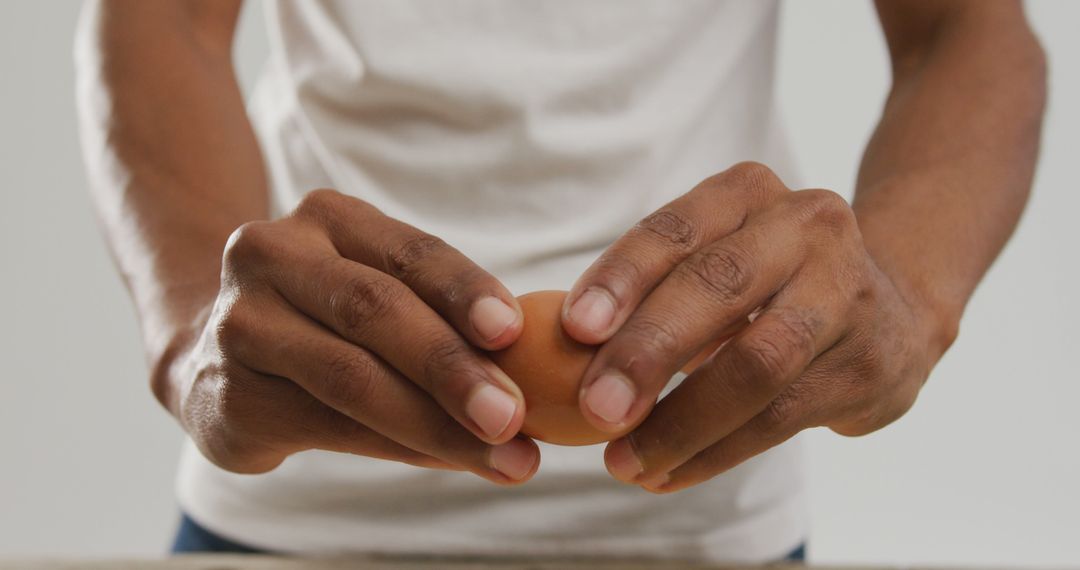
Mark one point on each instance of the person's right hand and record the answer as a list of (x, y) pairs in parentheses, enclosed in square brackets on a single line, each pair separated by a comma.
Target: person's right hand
[(339, 328)]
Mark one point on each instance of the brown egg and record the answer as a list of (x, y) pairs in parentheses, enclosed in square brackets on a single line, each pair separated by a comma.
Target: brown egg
[(548, 365)]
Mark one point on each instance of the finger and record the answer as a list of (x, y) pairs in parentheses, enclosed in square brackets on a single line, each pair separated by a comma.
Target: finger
[(832, 392), (763, 432), (715, 345), (612, 287), (373, 310), (702, 300), (473, 301), (248, 422), (357, 383), (808, 402), (314, 425), (800, 323), (705, 297)]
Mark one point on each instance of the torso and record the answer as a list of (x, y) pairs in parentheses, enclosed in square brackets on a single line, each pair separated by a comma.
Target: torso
[(529, 135)]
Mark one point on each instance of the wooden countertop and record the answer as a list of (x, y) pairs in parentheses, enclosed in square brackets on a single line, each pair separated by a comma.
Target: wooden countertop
[(242, 562)]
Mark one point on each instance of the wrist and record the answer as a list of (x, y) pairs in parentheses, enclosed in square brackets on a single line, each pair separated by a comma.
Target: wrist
[(164, 373), (934, 289), (936, 319), (169, 358)]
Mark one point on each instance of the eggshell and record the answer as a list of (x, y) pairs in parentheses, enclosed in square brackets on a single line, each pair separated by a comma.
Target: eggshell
[(548, 365)]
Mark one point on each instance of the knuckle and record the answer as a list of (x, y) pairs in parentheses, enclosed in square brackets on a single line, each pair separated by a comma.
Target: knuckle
[(671, 228), (348, 383), (774, 352), (653, 337), (362, 302), (234, 328), (317, 203), (444, 359), (863, 421), (250, 244), (795, 331), (762, 360), (753, 177), (749, 171), (404, 257), (724, 273), (828, 210), (779, 414)]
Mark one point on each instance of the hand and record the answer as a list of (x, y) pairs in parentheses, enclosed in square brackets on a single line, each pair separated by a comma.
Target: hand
[(339, 328), (836, 343)]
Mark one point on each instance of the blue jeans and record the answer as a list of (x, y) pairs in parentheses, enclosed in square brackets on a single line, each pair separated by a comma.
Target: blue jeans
[(191, 537)]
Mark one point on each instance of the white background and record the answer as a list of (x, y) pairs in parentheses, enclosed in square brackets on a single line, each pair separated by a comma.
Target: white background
[(983, 471)]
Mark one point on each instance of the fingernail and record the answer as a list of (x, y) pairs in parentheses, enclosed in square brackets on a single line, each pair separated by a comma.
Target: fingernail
[(622, 462), (515, 459), (491, 409), (610, 397), (593, 310), (491, 317), (656, 481)]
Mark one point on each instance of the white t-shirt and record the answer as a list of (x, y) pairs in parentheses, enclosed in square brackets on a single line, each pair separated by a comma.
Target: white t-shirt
[(529, 135)]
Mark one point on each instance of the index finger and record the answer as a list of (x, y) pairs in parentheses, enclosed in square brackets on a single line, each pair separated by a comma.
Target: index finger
[(611, 288), (714, 289), (472, 300), (371, 310), (748, 373)]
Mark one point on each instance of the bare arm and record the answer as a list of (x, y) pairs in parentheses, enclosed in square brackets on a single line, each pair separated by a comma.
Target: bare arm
[(331, 328), (858, 302), (947, 173), (173, 163)]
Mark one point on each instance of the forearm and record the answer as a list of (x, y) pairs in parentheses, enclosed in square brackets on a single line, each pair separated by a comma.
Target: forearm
[(173, 164), (946, 174)]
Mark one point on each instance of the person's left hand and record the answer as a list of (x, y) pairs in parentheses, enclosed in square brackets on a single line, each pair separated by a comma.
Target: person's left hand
[(819, 334)]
